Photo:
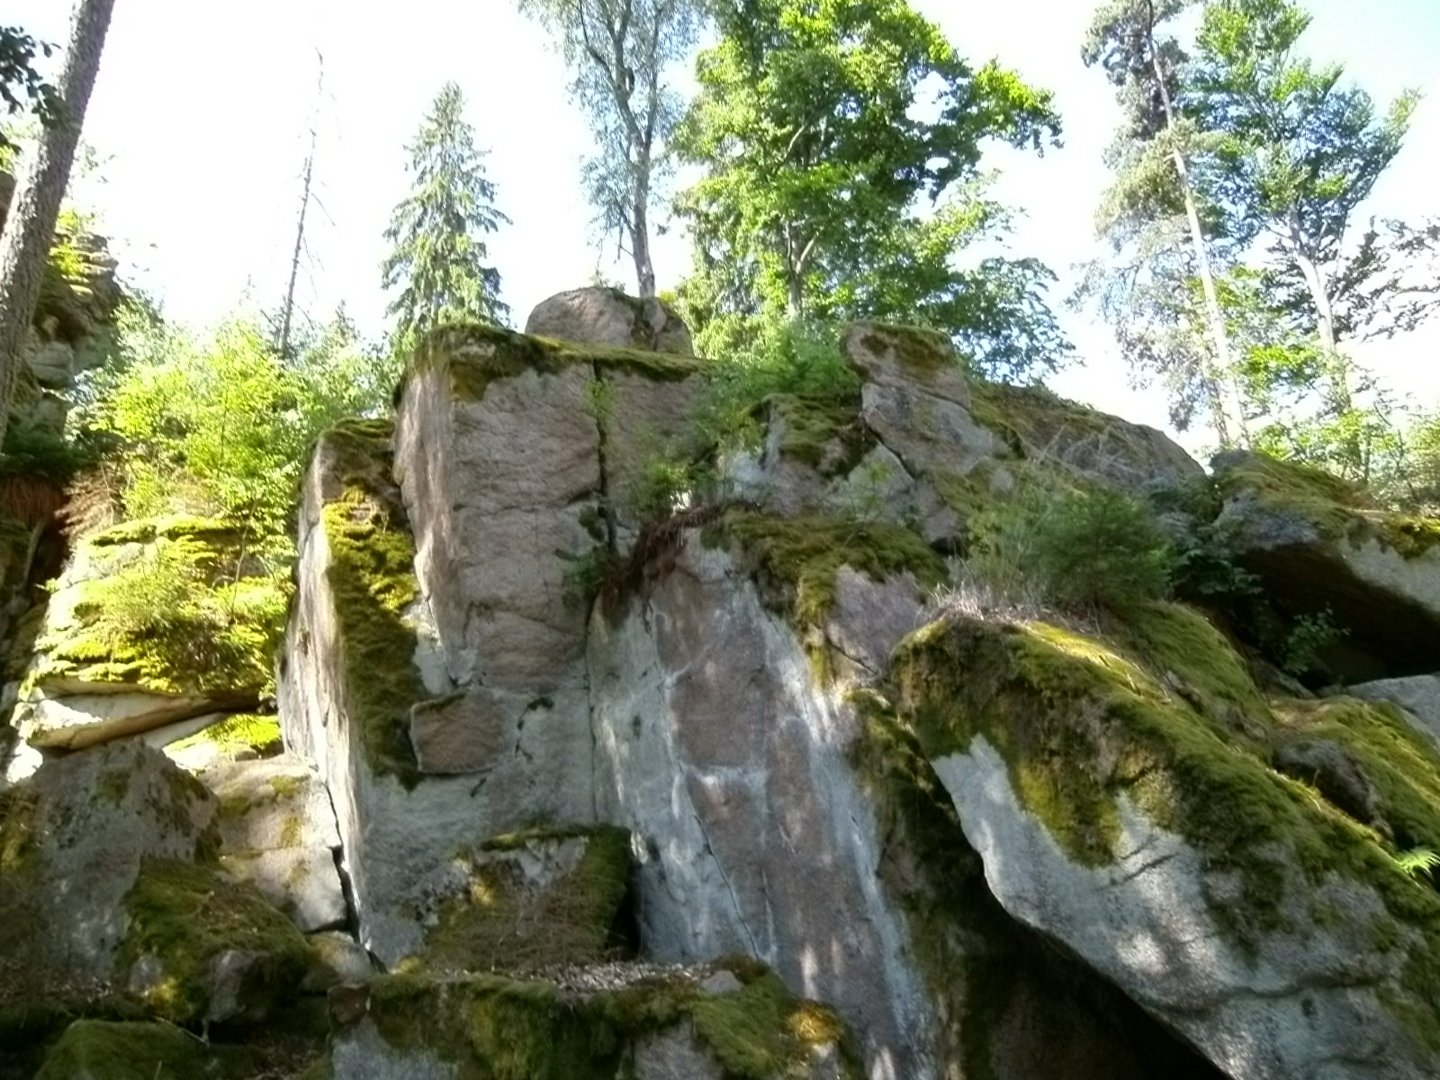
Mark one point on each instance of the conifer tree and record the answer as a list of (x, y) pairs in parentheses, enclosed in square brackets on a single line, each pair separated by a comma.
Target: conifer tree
[(440, 260)]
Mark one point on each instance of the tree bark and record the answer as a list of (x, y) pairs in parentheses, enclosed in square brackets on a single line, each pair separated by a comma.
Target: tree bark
[(1337, 367), (30, 227), (1225, 405)]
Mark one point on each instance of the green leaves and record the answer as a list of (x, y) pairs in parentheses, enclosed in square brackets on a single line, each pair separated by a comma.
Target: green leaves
[(439, 257), (825, 129)]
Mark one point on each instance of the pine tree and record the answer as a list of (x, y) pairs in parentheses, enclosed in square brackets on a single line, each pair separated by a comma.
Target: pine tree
[(439, 261)]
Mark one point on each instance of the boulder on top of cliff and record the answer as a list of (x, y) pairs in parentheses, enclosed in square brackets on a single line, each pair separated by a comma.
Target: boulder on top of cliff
[(1279, 935), (602, 315), (650, 1023), (1321, 544)]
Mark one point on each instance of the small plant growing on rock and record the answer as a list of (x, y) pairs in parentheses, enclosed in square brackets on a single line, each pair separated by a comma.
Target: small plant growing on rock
[(1075, 548)]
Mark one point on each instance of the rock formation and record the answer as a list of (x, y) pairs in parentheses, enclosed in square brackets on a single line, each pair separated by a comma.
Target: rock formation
[(579, 785)]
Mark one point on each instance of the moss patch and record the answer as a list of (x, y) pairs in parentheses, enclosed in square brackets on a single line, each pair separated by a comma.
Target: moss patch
[(240, 734), (136, 1051), (492, 1028), (183, 916), (1337, 508), (503, 923), (372, 577), (921, 351), (803, 555), (474, 356), (824, 433)]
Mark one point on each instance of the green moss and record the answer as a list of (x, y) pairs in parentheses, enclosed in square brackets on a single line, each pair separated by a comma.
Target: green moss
[(491, 1028), (504, 925), (824, 433), (17, 827), (474, 356), (113, 786), (372, 577), (1081, 721), (238, 734), (804, 554), (210, 532), (920, 350), (135, 1051), (1337, 508), (184, 915), (1031, 416)]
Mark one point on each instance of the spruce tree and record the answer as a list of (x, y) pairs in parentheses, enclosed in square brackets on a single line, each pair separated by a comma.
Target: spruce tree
[(440, 260)]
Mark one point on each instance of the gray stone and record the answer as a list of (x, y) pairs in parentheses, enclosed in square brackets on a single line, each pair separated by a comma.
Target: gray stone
[(359, 1053), (53, 364), (675, 1054), (1418, 697), (1333, 771), (599, 315), (716, 743), (302, 882), (345, 959), (721, 983), (278, 802), (646, 422), (1300, 1005), (906, 359), (868, 618), (75, 835)]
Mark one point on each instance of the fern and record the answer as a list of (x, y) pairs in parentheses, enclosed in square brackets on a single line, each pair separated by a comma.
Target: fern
[(1417, 861)]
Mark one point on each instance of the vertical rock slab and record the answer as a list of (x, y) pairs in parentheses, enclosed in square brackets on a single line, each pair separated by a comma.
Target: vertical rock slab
[(718, 744), (359, 655)]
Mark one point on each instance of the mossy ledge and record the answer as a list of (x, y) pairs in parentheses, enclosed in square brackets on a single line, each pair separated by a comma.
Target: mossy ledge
[(473, 356), (143, 1051), (1160, 711), (1336, 508), (493, 1028), (372, 579), (803, 555)]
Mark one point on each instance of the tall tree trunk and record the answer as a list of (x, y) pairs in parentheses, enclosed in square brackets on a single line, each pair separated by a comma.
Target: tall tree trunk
[(1336, 364), (640, 227), (283, 346), (1227, 410), (30, 227)]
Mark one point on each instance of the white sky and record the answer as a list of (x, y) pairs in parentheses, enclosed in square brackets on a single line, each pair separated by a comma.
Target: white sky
[(202, 111)]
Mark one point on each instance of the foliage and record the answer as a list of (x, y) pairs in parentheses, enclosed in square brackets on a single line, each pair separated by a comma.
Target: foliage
[(1417, 861), (810, 126), (21, 86), (1307, 637), (618, 51), (1078, 548), (439, 253)]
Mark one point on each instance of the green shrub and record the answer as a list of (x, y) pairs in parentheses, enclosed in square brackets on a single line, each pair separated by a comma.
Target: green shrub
[(1082, 547)]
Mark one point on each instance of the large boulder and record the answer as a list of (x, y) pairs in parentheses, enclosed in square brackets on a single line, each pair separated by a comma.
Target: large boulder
[(1321, 545), (104, 1050), (600, 315), (1278, 936)]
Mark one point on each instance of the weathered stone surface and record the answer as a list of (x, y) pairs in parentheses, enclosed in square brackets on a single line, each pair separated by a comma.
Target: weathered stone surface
[(646, 423), (103, 1050), (53, 364), (868, 618), (1318, 544), (604, 316), (1333, 771), (77, 721), (531, 900), (674, 1054), (347, 697), (1418, 696), (717, 745), (343, 958), (73, 838), (906, 359)]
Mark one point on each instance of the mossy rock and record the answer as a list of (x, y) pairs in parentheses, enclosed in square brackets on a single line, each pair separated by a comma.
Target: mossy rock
[(203, 947), (532, 900), (474, 356), (493, 1028), (239, 735), (101, 1050), (801, 556), (1160, 716), (823, 433)]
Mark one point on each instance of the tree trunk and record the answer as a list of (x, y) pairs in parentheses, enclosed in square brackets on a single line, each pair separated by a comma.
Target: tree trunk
[(1337, 366), (640, 228), (30, 227), (1225, 406)]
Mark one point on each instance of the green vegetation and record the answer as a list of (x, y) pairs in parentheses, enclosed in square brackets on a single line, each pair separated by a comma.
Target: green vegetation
[(502, 924), (142, 1051), (237, 736), (372, 576), (1069, 547), (183, 916), (438, 256), (492, 1028), (803, 555)]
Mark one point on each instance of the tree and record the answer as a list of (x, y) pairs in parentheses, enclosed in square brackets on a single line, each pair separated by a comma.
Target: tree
[(618, 51), (439, 257), (824, 130), (1145, 299), (21, 86), (25, 243), (1297, 154)]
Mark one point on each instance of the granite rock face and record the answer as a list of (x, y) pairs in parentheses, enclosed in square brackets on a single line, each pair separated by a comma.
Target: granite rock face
[(604, 316)]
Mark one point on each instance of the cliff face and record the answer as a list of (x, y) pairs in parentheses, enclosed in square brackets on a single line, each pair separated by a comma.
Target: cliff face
[(728, 787)]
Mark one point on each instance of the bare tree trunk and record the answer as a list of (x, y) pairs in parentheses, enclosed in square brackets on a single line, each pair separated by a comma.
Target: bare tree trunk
[(1225, 405), (289, 309), (30, 227), (640, 227), (1337, 366)]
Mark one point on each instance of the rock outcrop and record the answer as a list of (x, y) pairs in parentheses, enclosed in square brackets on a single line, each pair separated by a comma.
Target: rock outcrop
[(601, 315), (590, 772)]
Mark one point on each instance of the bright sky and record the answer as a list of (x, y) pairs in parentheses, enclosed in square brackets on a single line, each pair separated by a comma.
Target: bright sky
[(202, 111)]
